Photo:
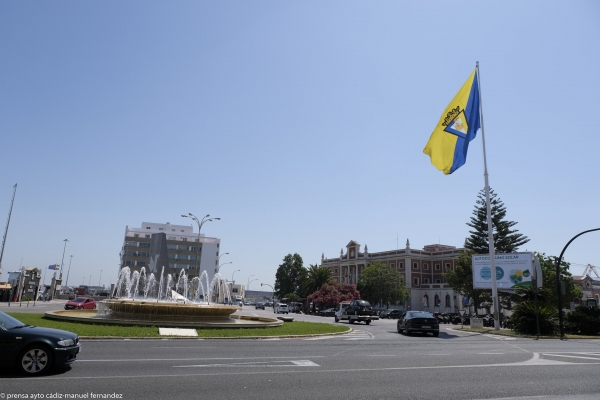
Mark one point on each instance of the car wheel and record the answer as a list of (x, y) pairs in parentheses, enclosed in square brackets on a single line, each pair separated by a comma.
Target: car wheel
[(94, 308), (399, 329), (436, 333), (367, 322), (35, 360), (408, 333)]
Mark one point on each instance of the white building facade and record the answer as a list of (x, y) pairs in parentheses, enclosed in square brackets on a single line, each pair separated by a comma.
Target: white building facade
[(187, 250)]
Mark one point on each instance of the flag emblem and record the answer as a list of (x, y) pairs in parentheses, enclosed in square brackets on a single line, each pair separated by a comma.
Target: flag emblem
[(447, 147)]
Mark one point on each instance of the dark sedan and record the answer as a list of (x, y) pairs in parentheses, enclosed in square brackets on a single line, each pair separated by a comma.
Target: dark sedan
[(418, 321), (391, 314), (330, 312), (33, 349)]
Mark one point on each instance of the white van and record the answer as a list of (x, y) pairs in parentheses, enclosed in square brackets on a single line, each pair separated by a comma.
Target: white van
[(281, 308)]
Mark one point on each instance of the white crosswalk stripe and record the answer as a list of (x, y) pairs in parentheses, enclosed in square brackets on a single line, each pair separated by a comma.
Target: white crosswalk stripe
[(354, 335), (499, 337)]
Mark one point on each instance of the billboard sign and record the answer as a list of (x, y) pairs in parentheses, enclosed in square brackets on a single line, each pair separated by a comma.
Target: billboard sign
[(513, 270)]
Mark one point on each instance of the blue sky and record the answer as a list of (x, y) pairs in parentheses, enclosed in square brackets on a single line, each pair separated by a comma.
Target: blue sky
[(300, 124)]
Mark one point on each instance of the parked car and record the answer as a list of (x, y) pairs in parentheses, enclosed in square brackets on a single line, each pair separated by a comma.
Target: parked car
[(391, 314), (418, 321), (35, 350), (81, 303), (281, 308), (330, 312), (260, 305)]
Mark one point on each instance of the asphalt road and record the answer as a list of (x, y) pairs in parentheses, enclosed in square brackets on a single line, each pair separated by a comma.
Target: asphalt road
[(372, 362)]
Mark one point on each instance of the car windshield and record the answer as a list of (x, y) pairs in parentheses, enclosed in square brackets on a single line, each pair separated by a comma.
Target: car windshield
[(79, 300), (420, 314), (8, 322), (364, 303)]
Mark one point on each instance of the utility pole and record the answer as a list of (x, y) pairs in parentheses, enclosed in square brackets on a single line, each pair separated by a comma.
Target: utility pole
[(6, 229)]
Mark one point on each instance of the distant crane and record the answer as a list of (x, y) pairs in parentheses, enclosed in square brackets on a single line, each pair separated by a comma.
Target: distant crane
[(589, 269)]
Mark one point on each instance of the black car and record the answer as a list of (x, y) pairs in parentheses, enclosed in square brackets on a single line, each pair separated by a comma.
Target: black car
[(330, 312), (33, 349), (391, 314), (260, 305), (359, 307), (418, 321)]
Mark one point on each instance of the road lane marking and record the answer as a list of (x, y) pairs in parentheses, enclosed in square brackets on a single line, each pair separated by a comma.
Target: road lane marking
[(567, 356), (197, 359), (489, 353), (278, 364), (533, 362)]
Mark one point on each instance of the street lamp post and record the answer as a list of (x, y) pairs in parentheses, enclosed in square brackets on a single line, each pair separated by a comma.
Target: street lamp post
[(68, 271), (558, 287), (219, 285), (232, 281), (251, 282), (61, 265), (200, 223), (99, 279), (272, 297), (219, 260)]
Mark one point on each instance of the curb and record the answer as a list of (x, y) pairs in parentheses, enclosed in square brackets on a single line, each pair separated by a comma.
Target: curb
[(214, 337)]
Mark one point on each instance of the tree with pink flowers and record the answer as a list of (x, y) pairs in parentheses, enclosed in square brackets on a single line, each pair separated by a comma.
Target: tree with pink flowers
[(333, 293)]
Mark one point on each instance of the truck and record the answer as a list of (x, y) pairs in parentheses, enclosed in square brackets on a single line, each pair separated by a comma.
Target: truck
[(355, 311)]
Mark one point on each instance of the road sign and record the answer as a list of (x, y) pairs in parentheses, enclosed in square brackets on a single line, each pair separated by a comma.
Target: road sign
[(461, 312)]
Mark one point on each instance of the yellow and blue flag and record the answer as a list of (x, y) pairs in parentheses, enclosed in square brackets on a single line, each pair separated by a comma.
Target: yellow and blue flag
[(447, 147)]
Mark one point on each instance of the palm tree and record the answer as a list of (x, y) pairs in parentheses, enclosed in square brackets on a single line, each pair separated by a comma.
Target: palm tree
[(315, 278)]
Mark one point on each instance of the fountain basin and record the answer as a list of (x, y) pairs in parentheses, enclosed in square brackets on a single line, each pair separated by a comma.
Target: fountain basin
[(165, 311), (233, 321)]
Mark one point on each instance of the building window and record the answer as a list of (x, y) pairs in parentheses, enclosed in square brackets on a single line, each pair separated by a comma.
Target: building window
[(415, 266), (136, 235), (400, 265), (416, 281), (147, 227), (425, 266), (448, 301), (196, 240), (173, 230), (335, 270), (437, 267), (185, 239), (391, 265), (181, 230), (438, 281), (447, 265), (147, 236), (426, 281), (172, 238), (161, 229)]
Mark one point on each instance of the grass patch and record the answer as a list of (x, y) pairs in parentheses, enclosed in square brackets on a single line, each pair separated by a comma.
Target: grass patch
[(287, 329), (508, 332), (94, 330)]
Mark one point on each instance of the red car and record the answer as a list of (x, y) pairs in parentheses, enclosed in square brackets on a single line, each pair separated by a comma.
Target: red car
[(81, 303)]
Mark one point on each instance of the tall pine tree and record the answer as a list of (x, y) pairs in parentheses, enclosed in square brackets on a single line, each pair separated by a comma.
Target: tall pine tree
[(506, 239)]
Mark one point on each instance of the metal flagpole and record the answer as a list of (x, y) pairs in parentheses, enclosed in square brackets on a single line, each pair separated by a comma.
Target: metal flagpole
[(12, 202), (489, 216)]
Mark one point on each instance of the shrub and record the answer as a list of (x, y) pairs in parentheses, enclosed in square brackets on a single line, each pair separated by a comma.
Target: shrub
[(524, 319), (586, 319)]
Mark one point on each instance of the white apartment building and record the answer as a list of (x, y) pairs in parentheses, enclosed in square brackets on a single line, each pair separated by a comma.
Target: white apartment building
[(186, 250)]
